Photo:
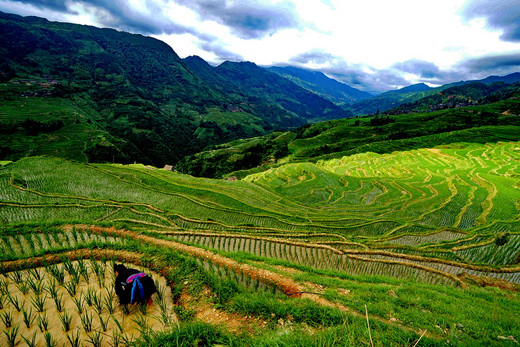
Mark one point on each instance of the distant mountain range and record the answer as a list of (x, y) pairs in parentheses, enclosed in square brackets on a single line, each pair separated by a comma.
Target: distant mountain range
[(467, 94), (394, 98), (319, 83)]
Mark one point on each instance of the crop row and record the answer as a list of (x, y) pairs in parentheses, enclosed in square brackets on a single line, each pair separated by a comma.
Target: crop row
[(36, 243), (315, 256), (494, 252), (417, 239)]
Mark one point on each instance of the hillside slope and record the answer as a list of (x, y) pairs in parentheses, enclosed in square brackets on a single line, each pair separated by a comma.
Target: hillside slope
[(475, 93), (410, 239)]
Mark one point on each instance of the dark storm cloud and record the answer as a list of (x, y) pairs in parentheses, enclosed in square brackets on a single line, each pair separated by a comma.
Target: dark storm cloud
[(56, 5), (493, 63), (315, 56), (499, 14), (249, 19), (354, 75), (125, 17), (121, 15), (221, 53), (418, 67)]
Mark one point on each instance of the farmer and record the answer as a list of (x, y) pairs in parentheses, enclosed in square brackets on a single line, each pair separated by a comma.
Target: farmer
[(133, 286)]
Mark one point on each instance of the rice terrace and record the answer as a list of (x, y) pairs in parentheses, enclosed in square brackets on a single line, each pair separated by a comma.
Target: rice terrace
[(302, 252)]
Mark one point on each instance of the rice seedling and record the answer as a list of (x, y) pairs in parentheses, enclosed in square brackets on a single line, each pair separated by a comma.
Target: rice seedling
[(68, 266), (57, 272), (4, 286), (65, 320), (80, 303), (24, 287), (116, 340), (103, 322), (99, 269), (95, 339), (31, 342), (143, 308), (98, 302), (28, 318), (126, 309), (86, 321), (15, 302), (43, 322), (2, 300), (37, 274), (74, 339), (110, 305), (70, 287), (83, 270), (118, 323), (49, 340), (58, 300), (89, 297), (36, 285), (52, 288), (16, 276), (7, 318), (142, 323), (38, 302), (72, 270), (11, 335)]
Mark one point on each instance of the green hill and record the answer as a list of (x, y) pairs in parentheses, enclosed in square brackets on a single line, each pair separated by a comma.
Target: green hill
[(390, 99)]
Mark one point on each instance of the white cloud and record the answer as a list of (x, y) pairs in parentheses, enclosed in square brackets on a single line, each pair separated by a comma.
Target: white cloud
[(368, 35)]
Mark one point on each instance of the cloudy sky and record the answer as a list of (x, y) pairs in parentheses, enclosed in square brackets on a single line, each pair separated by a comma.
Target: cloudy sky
[(373, 45)]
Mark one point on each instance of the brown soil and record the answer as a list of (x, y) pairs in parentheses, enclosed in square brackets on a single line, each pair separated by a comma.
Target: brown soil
[(206, 312)]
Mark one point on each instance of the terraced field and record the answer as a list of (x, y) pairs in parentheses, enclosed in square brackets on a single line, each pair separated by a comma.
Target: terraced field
[(347, 239)]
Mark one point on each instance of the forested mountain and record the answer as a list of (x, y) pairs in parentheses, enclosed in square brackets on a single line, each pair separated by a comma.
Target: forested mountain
[(247, 81), (105, 95), (319, 83)]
